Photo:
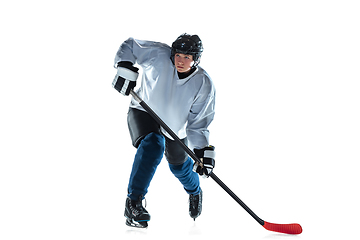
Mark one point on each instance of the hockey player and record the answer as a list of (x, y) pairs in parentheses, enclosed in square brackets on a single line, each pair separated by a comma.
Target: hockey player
[(183, 95)]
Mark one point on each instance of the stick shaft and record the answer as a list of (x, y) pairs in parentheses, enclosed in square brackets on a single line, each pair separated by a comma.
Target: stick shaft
[(236, 198)]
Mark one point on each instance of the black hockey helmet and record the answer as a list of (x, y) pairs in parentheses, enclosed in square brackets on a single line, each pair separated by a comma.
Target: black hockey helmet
[(189, 45)]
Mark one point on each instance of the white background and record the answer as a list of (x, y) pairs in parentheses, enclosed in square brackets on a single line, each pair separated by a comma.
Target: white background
[(286, 128)]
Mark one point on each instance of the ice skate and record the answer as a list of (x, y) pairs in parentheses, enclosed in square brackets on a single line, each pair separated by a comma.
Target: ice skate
[(136, 215), (195, 205)]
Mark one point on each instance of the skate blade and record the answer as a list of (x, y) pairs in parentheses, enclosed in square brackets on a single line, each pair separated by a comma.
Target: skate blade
[(132, 223)]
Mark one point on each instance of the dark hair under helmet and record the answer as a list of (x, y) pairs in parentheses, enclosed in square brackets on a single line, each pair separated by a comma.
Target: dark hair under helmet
[(189, 45)]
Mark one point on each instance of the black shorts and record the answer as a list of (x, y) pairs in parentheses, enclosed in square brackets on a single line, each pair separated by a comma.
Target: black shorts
[(140, 124)]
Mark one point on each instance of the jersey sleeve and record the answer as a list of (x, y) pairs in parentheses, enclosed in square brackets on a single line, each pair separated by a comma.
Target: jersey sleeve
[(139, 51), (201, 115)]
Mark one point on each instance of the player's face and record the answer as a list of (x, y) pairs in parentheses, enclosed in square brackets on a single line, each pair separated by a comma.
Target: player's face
[(183, 63)]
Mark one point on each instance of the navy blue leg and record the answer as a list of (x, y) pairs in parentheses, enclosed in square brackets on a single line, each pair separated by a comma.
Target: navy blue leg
[(188, 178), (147, 158)]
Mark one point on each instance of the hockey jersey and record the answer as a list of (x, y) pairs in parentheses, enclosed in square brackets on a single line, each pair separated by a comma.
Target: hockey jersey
[(186, 105)]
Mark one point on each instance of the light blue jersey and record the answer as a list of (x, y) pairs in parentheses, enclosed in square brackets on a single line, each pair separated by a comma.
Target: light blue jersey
[(186, 105)]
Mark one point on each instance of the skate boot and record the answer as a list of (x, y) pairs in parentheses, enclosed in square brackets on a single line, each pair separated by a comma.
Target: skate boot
[(136, 215), (195, 205)]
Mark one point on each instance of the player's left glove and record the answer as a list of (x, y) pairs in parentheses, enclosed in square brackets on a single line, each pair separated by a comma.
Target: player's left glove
[(207, 157)]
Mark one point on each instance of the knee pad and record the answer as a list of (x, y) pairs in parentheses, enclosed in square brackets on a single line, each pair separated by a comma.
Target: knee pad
[(174, 154)]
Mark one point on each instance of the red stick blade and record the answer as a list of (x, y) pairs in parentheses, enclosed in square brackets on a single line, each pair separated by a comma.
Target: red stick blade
[(292, 228)]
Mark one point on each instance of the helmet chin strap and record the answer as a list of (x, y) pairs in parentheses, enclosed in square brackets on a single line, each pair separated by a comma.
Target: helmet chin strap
[(196, 63)]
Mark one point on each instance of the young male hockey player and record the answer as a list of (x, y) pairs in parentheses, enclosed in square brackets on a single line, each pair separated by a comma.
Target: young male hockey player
[(183, 96)]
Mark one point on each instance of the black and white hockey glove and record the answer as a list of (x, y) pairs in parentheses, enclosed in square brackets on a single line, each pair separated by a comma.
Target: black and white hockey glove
[(125, 79), (207, 157)]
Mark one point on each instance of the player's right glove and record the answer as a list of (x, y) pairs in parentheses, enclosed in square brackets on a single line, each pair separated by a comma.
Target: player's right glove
[(125, 79), (207, 158)]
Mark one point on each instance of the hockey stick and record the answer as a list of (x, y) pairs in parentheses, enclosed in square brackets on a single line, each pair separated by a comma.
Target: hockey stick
[(293, 228)]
